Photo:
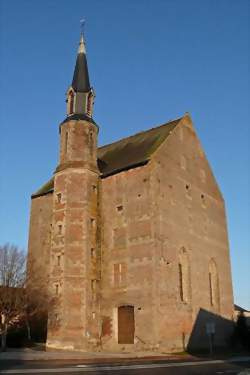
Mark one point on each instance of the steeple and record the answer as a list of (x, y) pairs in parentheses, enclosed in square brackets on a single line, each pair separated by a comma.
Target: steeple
[(80, 95)]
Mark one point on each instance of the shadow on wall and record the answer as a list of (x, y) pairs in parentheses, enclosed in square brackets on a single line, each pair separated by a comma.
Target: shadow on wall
[(211, 332)]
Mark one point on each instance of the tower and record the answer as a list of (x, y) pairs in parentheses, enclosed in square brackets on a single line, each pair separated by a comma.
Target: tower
[(74, 270)]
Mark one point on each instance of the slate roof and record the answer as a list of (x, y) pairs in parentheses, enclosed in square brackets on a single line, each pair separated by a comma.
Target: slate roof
[(239, 308), (80, 82), (126, 153)]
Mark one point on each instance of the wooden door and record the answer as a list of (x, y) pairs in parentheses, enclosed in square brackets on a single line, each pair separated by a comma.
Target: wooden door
[(126, 325)]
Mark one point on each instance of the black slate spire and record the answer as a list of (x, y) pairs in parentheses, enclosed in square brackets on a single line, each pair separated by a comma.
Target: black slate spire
[(80, 81)]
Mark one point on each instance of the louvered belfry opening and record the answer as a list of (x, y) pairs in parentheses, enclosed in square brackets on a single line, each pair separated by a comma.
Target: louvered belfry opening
[(126, 325)]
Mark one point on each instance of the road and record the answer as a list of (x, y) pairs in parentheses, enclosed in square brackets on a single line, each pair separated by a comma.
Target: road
[(217, 367)]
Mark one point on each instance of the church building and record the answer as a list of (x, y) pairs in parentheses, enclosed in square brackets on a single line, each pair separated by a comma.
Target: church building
[(130, 239)]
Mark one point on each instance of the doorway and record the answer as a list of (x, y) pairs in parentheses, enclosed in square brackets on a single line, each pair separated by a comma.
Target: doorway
[(126, 325)]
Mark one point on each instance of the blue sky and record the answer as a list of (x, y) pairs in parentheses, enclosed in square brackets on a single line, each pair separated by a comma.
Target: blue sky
[(150, 61)]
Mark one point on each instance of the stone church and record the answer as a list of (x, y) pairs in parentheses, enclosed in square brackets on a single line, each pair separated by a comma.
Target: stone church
[(130, 239)]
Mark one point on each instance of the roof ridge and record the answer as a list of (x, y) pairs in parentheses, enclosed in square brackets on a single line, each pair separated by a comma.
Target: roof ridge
[(139, 133)]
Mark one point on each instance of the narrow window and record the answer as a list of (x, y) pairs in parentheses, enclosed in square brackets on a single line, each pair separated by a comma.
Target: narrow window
[(119, 208), (211, 289), (93, 286), (58, 260), (181, 282), (57, 289), (120, 270), (94, 189), (93, 289), (71, 102), (59, 229), (92, 251), (59, 198), (66, 143), (92, 222), (89, 104)]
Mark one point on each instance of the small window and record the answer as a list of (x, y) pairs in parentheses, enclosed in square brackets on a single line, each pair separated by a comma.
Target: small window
[(59, 229), (59, 198), (93, 285), (211, 289), (57, 289), (94, 188), (66, 142), (71, 102), (58, 260), (181, 282), (92, 222), (92, 252), (187, 187), (120, 272), (119, 208)]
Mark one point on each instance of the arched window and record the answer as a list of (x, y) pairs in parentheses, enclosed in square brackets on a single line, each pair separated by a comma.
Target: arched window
[(71, 102), (213, 284), (184, 276)]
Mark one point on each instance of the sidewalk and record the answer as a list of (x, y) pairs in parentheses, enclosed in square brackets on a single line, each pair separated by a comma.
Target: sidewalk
[(29, 354)]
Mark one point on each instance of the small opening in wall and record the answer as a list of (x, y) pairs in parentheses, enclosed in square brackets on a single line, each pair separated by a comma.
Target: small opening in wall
[(139, 195), (58, 260), (92, 252), (119, 208), (57, 289), (187, 187), (92, 222), (93, 315), (202, 196), (66, 143), (59, 229), (139, 308), (93, 285), (94, 188), (59, 198)]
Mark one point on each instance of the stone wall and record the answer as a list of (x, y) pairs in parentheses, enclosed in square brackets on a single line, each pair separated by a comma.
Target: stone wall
[(128, 274), (39, 241), (190, 220)]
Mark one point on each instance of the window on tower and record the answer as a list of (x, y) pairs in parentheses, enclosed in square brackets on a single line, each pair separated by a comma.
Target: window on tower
[(71, 102), (89, 104)]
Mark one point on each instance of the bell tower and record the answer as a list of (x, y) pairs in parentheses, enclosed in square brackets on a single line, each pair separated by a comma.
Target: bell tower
[(74, 264)]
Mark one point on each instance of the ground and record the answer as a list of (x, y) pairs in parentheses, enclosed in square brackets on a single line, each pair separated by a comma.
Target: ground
[(32, 362)]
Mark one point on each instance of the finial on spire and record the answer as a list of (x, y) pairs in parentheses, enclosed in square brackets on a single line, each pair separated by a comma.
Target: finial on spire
[(82, 23), (82, 48)]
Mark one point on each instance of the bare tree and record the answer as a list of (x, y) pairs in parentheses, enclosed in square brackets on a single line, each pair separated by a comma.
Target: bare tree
[(12, 279)]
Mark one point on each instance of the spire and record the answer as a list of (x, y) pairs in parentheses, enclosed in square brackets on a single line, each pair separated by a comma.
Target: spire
[(80, 82), (80, 95)]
